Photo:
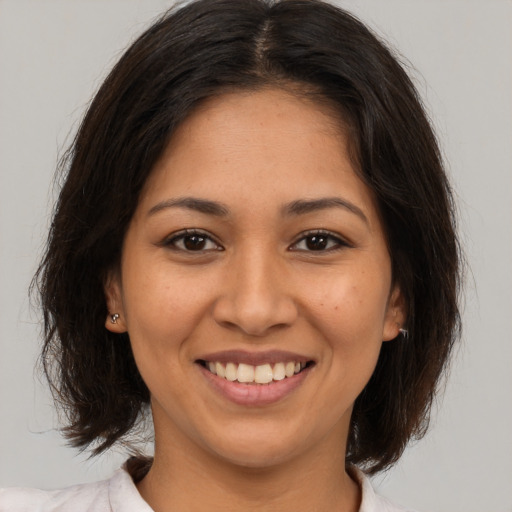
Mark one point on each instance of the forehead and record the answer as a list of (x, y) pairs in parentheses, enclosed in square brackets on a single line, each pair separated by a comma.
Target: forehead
[(274, 106), (259, 145)]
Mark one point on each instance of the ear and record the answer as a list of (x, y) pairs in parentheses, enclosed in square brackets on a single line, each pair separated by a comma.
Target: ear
[(116, 318), (396, 315)]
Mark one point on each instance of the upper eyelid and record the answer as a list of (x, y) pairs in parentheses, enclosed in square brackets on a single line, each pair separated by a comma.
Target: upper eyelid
[(324, 232), (341, 244), (189, 231)]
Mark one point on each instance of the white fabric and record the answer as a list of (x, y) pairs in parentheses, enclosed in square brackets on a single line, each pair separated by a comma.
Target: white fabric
[(119, 494), (372, 502)]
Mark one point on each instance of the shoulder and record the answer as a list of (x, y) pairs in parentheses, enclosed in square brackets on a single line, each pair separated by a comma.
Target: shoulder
[(79, 498), (114, 495), (372, 502)]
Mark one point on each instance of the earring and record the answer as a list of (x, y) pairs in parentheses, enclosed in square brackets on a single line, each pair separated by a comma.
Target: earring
[(114, 317), (404, 332)]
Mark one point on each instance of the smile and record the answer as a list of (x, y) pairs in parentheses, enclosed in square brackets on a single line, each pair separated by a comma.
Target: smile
[(251, 374)]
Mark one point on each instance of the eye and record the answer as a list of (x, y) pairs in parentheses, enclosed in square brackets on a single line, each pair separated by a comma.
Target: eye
[(319, 241), (192, 241)]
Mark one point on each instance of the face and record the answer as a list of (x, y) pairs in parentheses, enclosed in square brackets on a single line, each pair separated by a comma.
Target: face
[(255, 282)]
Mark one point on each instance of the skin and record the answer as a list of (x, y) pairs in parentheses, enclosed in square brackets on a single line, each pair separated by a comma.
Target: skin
[(255, 285)]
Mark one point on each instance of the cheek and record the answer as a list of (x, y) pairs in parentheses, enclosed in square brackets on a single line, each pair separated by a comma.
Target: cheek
[(350, 320), (351, 305), (159, 319), (350, 313), (157, 293), (162, 309)]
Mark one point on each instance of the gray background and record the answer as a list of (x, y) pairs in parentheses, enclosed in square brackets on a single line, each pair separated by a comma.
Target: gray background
[(53, 55)]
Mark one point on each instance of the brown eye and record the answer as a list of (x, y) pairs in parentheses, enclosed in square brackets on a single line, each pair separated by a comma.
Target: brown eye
[(192, 241), (317, 242)]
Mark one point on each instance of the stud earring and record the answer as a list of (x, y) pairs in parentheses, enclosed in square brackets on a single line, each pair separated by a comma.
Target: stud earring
[(114, 317), (404, 332)]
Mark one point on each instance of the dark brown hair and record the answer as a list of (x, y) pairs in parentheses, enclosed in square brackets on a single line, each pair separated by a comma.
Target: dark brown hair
[(202, 49)]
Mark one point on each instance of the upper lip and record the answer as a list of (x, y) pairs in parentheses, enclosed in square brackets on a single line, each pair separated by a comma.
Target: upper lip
[(254, 358)]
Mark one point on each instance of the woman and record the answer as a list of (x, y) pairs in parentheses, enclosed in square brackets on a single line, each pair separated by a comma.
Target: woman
[(255, 238)]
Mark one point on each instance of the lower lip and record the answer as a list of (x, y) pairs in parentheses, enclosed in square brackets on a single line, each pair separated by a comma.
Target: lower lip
[(254, 394)]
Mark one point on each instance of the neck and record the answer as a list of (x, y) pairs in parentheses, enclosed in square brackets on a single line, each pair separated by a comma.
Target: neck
[(184, 480)]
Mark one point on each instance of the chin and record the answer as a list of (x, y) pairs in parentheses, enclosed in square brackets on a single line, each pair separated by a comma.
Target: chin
[(258, 451), (256, 459)]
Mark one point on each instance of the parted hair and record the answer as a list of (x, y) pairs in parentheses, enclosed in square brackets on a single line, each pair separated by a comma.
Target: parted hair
[(191, 53)]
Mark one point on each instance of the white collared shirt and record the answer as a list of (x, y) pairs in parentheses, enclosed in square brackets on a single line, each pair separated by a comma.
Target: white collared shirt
[(119, 494)]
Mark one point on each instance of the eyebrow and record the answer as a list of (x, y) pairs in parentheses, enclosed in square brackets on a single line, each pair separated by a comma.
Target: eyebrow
[(192, 203), (298, 207), (303, 206)]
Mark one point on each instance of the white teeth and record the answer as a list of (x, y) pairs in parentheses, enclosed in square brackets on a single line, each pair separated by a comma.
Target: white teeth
[(245, 373), (249, 374), (231, 371), (279, 373), (289, 369), (263, 374), (220, 370)]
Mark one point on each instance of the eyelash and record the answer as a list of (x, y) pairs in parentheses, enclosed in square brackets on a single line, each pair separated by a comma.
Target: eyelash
[(333, 242), (338, 244), (173, 241)]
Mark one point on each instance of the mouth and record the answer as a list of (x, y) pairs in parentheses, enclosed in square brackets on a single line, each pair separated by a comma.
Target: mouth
[(260, 374), (255, 379)]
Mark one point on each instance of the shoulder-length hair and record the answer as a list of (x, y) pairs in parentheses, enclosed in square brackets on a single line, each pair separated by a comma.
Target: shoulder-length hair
[(192, 53)]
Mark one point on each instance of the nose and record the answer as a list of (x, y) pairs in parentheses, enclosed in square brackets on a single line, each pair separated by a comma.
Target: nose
[(256, 295)]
